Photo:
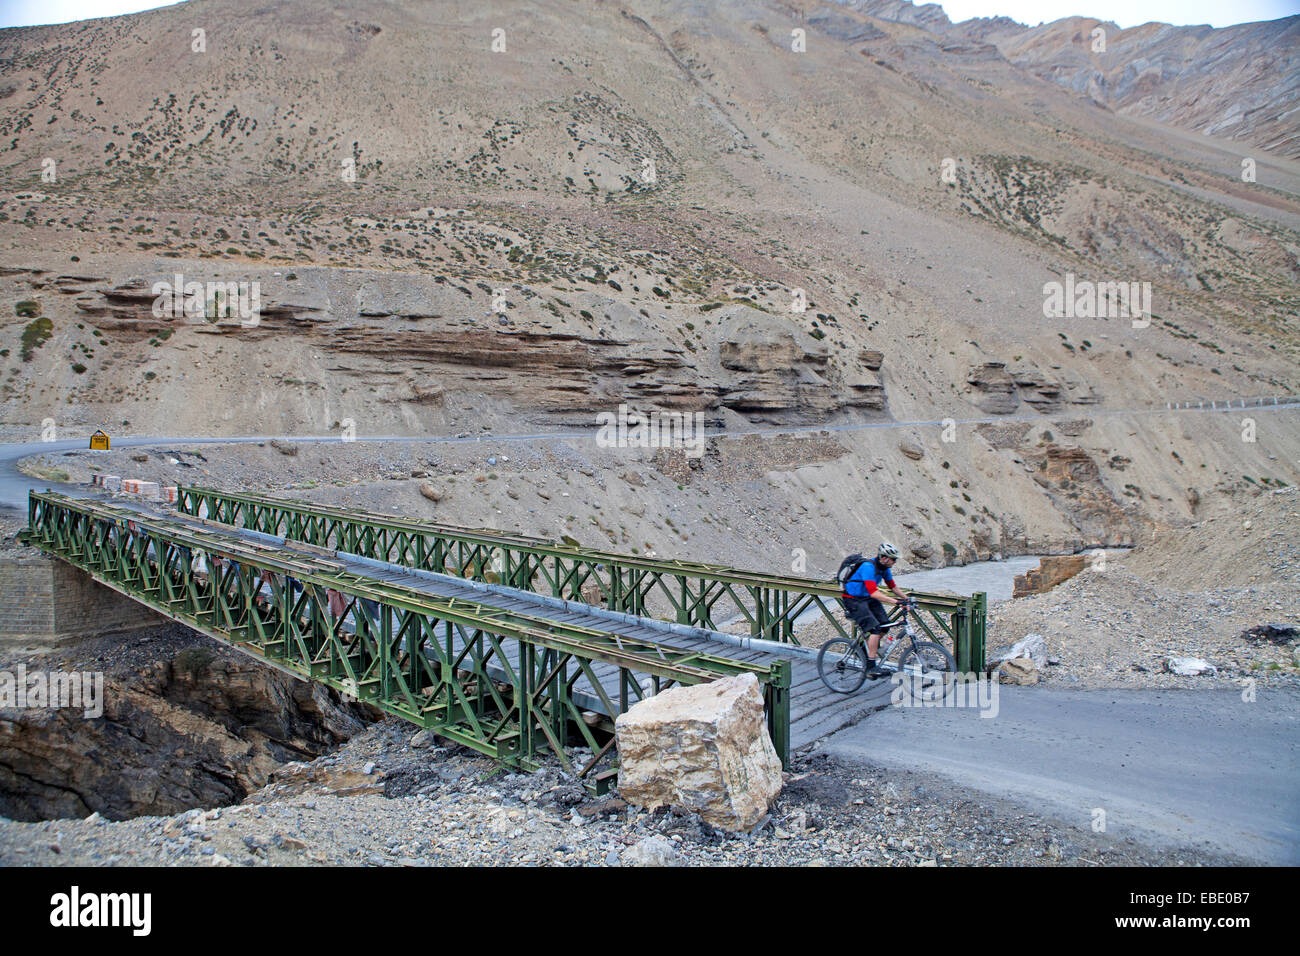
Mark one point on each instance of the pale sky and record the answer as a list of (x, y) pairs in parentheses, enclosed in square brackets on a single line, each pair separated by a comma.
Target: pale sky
[(1126, 13), (26, 13)]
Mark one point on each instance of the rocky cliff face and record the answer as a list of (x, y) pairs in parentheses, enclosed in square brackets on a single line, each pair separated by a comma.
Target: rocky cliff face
[(1072, 479), (201, 727), (746, 360), (999, 391)]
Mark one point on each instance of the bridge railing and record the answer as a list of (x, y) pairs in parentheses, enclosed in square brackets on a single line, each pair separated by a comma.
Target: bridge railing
[(697, 594), (506, 684)]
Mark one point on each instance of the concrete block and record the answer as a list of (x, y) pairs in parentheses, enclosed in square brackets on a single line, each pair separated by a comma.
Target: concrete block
[(45, 603)]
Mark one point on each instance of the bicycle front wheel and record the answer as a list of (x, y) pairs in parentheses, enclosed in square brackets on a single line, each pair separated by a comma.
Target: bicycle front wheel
[(842, 665), (928, 669)]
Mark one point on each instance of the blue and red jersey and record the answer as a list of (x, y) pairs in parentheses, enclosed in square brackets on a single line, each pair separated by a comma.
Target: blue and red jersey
[(866, 580)]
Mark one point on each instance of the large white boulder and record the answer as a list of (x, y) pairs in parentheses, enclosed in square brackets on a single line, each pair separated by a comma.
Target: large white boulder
[(703, 748), (1033, 646), (1189, 666)]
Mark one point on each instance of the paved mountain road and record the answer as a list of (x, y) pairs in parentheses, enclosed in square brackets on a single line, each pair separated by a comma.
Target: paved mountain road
[(1174, 767)]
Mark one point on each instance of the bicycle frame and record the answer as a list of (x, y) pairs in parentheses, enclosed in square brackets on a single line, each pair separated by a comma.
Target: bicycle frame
[(909, 632), (924, 668)]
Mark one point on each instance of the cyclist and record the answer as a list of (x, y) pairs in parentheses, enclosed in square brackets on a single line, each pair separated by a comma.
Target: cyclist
[(862, 599)]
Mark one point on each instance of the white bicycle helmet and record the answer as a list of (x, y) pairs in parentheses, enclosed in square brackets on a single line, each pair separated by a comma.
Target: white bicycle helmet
[(887, 550)]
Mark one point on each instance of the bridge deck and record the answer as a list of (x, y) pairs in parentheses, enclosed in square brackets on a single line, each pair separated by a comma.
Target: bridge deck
[(815, 711)]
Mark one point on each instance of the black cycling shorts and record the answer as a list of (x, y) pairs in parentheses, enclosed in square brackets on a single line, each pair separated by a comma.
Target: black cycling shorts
[(868, 613)]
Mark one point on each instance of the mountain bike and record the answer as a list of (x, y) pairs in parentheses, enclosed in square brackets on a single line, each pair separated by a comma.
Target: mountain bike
[(842, 662)]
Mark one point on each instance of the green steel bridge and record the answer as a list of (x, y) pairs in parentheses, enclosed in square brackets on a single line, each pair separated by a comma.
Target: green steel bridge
[(495, 640), (697, 594)]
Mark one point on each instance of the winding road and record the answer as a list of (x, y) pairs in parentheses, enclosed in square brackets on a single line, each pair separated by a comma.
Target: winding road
[(14, 485)]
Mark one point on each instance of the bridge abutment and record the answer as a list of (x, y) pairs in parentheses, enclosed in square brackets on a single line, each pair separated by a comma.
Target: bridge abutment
[(45, 603)]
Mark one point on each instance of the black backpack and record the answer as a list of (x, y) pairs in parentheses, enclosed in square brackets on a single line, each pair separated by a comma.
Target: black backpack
[(849, 567)]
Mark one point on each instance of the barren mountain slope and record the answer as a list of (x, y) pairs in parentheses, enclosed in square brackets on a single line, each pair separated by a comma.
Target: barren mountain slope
[(1240, 82), (622, 206)]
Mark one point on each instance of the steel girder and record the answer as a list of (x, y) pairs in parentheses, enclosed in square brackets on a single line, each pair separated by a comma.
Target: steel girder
[(701, 595), (507, 684)]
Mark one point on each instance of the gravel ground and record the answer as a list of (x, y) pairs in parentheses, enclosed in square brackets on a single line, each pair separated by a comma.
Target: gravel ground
[(1123, 631), (380, 800), (1190, 593)]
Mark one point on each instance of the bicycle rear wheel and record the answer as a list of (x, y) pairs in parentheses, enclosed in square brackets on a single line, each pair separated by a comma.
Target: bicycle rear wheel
[(842, 665), (927, 669)]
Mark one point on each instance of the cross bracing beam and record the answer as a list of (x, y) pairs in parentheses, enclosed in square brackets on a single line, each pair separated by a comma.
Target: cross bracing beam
[(507, 683), (702, 595)]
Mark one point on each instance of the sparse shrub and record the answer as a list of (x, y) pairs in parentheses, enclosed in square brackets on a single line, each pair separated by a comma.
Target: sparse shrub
[(47, 473), (34, 336)]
